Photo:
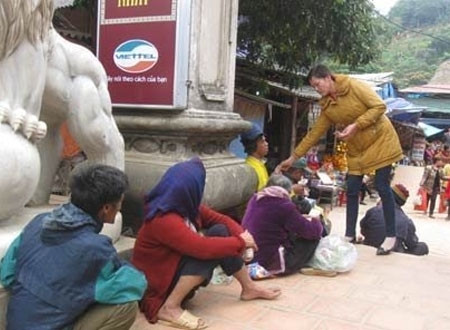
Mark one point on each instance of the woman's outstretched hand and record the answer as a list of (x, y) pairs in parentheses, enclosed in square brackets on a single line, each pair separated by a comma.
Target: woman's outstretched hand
[(284, 165), (347, 132)]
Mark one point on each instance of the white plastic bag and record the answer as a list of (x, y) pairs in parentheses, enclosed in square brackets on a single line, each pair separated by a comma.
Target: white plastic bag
[(334, 253), (417, 200)]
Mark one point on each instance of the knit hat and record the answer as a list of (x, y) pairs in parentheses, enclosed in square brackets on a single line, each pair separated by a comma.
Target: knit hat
[(252, 134), (300, 163), (401, 194)]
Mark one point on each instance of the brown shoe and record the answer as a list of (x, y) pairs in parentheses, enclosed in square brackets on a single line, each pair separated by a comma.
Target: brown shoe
[(319, 272)]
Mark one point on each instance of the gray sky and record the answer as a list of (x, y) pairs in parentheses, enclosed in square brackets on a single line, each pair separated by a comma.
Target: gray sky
[(383, 6)]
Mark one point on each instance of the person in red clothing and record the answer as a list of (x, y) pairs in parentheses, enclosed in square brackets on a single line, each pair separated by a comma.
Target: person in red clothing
[(181, 242)]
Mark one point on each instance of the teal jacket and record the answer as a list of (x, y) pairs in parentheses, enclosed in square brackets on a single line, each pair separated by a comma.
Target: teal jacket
[(59, 266)]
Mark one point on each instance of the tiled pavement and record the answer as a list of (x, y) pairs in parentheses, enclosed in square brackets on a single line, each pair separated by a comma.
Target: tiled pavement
[(395, 292)]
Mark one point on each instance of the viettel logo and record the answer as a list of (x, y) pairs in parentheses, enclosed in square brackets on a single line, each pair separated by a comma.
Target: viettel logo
[(136, 56)]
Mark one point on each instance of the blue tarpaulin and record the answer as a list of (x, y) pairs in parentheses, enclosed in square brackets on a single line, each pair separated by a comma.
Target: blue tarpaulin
[(404, 111), (429, 130)]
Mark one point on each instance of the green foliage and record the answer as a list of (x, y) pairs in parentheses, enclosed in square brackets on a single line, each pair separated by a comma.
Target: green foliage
[(291, 35), (84, 3), (420, 13), (415, 41), (415, 57)]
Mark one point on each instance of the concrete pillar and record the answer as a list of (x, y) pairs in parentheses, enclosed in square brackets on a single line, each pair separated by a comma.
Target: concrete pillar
[(156, 139)]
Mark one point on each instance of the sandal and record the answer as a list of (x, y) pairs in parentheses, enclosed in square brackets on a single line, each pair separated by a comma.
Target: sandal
[(320, 272), (186, 321)]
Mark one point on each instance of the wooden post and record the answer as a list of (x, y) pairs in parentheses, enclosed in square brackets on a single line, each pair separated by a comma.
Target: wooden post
[(293, 124)]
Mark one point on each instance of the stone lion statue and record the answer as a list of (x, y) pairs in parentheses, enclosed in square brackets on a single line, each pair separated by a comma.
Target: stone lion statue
[(46, 80)]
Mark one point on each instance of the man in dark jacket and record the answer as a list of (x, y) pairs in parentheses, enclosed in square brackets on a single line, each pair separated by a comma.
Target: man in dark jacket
[(373, 226), (62, 274)]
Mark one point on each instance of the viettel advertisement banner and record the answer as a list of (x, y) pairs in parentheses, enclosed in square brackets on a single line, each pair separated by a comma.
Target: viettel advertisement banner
[(144, 47)]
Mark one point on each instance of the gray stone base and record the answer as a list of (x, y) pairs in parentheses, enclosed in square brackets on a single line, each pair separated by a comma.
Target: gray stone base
[(229, 181), (156, 140)]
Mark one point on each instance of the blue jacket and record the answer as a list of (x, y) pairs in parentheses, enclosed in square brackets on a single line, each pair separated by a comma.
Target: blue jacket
[(59, 266)]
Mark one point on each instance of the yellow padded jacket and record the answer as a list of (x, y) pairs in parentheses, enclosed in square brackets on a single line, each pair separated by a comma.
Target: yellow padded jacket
[(260, 170), (375, 144)]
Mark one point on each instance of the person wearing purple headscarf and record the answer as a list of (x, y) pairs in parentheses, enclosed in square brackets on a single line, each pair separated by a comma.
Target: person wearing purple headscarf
[(181, 242), (287, 239)]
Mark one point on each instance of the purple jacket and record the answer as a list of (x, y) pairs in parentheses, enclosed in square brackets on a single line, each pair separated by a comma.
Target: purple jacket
[(270, 219)]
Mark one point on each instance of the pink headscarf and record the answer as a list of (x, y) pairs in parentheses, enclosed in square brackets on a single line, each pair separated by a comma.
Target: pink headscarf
[(273, 191)]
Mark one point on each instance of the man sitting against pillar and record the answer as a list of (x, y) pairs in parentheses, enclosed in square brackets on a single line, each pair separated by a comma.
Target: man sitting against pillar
[(62, 274), (257, 148)]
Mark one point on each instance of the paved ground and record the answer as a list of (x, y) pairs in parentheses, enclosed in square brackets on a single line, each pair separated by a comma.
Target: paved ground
[(395, 292)]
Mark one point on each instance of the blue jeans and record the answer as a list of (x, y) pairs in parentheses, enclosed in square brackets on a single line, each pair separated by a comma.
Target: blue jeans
[(382, 185)]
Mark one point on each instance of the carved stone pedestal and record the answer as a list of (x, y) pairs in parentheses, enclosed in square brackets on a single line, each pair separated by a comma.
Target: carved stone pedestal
[(157, 138), (155, 141)]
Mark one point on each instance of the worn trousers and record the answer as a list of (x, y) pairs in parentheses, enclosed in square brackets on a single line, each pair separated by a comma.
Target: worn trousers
[(431, 199), (298, 255), (190, 266), (382, 185), (108, 317)]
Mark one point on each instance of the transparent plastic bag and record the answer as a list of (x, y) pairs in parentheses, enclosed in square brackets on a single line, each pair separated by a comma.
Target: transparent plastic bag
[(334, 253), (219, 277), (258, 272)]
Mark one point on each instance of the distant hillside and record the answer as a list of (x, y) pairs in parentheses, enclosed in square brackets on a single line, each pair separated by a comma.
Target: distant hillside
[(415, 57), (442, 75), (418, 40)]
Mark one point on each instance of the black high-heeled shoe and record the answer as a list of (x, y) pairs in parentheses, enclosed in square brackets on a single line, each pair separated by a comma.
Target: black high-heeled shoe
[(384, 252), (356, 240)]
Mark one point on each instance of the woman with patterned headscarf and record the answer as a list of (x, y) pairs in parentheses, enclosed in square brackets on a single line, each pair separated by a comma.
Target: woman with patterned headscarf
[(181, 242)]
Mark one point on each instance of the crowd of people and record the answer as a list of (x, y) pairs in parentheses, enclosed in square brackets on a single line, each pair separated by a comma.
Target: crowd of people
[(435, 179), (436, 149), (181, 241)]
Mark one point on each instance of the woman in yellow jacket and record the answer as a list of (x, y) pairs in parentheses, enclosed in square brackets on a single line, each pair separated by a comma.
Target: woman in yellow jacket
[(373, 145)]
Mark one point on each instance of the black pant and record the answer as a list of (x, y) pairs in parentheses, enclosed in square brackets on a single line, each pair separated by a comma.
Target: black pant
[(204, 268), (364, 190), (432, 200), (298, 255)]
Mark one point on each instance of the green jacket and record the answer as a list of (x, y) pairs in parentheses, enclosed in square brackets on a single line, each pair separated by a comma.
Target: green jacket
[(59, 266), (375, 144)]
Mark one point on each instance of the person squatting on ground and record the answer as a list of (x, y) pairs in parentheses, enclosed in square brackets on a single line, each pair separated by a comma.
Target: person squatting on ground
[(431, 182), (300, 176), (373, 227), (181, 242), (286, 239), (257, 148), (62, 274), (373, 145), (365, 190)]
